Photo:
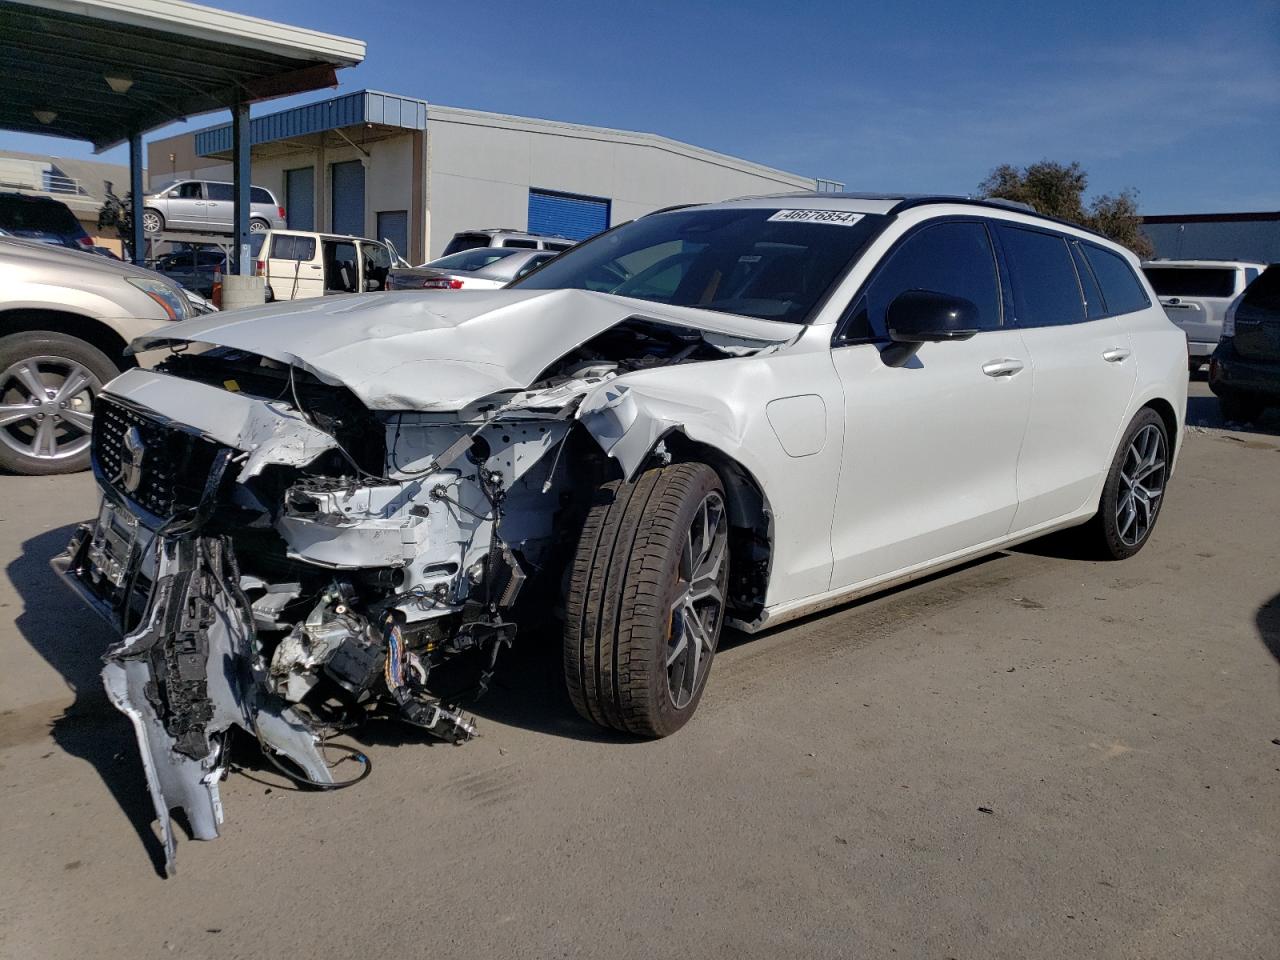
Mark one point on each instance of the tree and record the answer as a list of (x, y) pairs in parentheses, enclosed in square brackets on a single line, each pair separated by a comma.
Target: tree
[(118, 214), (1057, 190)]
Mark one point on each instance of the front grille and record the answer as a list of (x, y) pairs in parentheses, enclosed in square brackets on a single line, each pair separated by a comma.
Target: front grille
[(174, 464)]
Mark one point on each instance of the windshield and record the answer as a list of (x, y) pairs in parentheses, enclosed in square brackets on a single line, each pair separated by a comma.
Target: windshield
[(774, 264), (1191, 281), (470, 259)]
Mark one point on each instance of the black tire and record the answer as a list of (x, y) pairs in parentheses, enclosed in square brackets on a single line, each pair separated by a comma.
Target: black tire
[(1240, 407), (1106, 536), (258, 225), (46, 354), (152, 221), (624, 614)]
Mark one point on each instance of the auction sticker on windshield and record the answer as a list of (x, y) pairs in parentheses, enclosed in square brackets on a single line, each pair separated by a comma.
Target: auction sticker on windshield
[(837, 218)]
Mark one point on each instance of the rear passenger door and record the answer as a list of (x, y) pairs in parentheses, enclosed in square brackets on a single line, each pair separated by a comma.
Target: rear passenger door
[(220, 205), (1083, 373)]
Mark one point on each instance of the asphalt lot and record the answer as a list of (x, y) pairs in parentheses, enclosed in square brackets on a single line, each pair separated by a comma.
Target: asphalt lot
[(1034, 756)]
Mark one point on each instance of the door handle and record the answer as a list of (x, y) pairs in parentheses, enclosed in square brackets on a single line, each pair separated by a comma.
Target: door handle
[(1005, 367), (1116, 354)]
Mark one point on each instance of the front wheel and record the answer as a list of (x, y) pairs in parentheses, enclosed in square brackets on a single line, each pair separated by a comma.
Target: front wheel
[(1134, 491), (646, 599), (152, 221), (48, 384)]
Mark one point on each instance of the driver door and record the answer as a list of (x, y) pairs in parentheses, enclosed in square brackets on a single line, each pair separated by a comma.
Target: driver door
[(929, 467)]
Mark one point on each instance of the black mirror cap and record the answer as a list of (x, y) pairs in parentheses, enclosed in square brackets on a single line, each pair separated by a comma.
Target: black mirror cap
[(924, 316)]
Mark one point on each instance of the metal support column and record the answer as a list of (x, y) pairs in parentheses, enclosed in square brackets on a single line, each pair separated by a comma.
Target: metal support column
[(241, 177), (138, 240)]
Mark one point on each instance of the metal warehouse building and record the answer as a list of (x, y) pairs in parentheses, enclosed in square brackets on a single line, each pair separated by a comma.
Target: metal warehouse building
[(1215, 236), (380, 165)]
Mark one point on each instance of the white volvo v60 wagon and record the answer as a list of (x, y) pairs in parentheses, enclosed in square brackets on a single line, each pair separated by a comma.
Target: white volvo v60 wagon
[(735, 413)]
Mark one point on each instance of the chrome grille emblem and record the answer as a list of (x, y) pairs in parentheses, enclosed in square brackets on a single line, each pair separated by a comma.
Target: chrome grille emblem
[(132, 453)]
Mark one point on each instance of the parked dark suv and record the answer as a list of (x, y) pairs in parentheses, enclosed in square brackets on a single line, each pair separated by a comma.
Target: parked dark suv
[(1244, 370), (43, 219)]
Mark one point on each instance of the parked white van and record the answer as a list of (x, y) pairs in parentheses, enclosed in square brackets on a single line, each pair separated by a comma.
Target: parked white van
[(300, 264)]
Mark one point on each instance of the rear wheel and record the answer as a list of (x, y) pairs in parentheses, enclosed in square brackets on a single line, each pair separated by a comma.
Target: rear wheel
[(258, 225), (1134, 490), (48, 384), (646, 599), (1240, 408)]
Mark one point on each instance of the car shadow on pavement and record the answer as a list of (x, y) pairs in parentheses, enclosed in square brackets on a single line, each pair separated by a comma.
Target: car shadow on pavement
[(72, 640), (1268, 621), (1204, 412)]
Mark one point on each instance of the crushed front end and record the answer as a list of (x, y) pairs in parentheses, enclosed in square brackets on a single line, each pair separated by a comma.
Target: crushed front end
[(282, 560)]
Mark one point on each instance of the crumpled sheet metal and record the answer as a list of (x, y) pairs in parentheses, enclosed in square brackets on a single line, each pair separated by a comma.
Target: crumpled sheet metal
[(438, 351)]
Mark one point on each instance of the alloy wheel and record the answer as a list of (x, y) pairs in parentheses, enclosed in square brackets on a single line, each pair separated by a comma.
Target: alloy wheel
[(1142, 481), (46, 407), (698, 608), (151, 222)]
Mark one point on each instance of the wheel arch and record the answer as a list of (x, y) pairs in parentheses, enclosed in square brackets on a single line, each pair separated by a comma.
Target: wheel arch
[(1170, 417), (750, 517), (91, 331)]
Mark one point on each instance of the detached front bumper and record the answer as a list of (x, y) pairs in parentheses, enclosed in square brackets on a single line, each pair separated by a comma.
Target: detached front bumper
[(185, 672)]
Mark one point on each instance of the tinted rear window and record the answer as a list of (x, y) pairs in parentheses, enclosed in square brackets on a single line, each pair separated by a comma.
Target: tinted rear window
[(466, 241), (521, 244), (288, 247), (1264, 293), (472, 259), (1120, 287), (1191, 281), (1046, 292), (259, 195), (19, 215)]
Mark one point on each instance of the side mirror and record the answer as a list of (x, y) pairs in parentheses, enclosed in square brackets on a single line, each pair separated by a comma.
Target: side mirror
[(922, 316)]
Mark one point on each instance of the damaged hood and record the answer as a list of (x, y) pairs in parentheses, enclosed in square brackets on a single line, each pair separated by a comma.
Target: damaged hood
[(442, 350)]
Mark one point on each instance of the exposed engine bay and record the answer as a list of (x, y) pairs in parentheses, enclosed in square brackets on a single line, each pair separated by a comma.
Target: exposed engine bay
[(285, 559)]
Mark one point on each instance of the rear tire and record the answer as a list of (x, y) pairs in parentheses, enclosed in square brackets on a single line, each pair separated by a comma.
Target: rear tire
[(49, 383), (646, 599), (1133, 493), (1240, 408), (258, 225)]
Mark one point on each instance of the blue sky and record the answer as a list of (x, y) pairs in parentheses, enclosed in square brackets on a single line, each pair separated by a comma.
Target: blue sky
[(1180, 100)]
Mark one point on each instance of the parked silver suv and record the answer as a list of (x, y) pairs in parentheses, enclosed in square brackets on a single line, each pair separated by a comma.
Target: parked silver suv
[(65, 318), (505, 237), (207, 206), (1195, 295)]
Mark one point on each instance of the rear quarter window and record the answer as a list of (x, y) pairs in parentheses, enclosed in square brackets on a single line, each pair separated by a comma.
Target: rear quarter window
[(259, 195), (1120, 286), (286, 247)]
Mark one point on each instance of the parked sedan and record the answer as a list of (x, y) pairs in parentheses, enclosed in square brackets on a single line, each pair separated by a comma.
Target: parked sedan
[(193, 269), (483, 268), (739, 413)]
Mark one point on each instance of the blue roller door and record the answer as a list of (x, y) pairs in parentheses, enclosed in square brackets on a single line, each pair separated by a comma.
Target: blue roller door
[(567, 215), (348, 197)]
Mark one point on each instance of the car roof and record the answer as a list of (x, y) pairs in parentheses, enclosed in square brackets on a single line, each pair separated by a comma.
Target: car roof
[(512, 232), (1198, 264)]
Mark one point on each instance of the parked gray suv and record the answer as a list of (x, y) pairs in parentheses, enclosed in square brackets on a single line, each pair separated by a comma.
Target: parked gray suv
[(65, 319), (207, 206)]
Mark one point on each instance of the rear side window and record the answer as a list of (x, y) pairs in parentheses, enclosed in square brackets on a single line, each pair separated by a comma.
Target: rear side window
[(466, 241), (1095, 307), (1046, 291), (288, 247), (1192, 281), (259, 195), (1120, 287), (953, 258), (547, 245), (521, 244), (219, 191)]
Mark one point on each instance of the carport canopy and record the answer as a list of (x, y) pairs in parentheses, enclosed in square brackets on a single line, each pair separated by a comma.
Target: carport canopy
[(108, 71)]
